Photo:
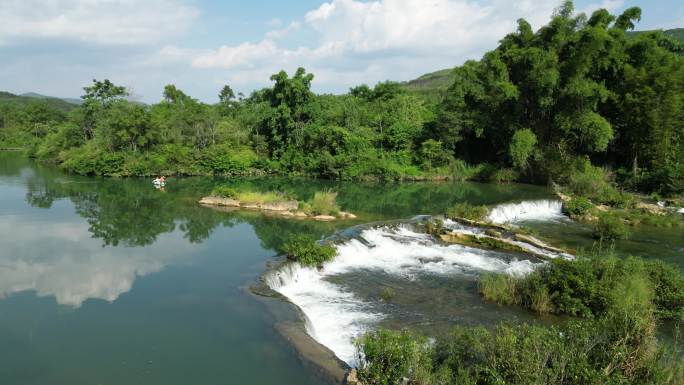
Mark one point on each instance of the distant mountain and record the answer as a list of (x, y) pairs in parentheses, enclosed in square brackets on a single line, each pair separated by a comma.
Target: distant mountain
[(75, 101), (6, 97), (433, 85), (676, 33)]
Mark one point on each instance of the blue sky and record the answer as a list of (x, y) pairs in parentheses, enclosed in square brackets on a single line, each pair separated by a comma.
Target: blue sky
[(56, 47)]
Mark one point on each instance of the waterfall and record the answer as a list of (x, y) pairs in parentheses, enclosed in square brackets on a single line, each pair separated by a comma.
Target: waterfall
[(336, 315), (541, 210)]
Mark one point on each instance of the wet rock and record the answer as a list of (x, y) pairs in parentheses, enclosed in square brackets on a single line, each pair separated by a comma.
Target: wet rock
[(346, 215), (219, 201), (324, 218), (352, 377), (494, 233), (651, 208)]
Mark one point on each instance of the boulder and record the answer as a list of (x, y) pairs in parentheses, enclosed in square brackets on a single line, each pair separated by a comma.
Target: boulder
[(324, 218), (346, 215)]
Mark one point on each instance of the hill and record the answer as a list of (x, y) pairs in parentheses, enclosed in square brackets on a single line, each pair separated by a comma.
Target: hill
[(676, 33), (59, 104), (76, 101)]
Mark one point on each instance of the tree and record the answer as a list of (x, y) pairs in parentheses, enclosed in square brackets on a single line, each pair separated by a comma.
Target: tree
[(522, 147)]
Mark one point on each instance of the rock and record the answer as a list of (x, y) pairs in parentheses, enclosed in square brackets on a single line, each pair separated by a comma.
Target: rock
[(280, 206), (651, 208), (346, 215), (352, 377), (493, 233), (219, 201), (603, 208), (563, 197), (300, 214), (324, 218)]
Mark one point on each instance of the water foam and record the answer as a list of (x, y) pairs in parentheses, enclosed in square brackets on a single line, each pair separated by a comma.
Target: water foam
[(540, 210), (336, 316)]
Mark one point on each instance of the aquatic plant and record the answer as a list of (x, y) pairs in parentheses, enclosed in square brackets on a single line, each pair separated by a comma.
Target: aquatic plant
[(467, 211)]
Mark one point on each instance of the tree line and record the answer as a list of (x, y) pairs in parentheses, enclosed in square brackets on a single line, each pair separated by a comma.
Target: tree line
[(577, 96)]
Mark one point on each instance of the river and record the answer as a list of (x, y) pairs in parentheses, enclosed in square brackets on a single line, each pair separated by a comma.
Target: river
[(110, 281)]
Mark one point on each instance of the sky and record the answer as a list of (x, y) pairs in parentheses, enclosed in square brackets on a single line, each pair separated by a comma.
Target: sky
[(57, 47)]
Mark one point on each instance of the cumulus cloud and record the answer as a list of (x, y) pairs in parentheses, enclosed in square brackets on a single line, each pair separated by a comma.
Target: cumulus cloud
[(118, 22), (369, 41)]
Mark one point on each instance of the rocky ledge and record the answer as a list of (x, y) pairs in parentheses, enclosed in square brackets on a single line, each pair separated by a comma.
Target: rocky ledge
[(289, 208)]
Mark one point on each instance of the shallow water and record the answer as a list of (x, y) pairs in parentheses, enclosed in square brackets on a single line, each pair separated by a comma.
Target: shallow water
[(109, 281)]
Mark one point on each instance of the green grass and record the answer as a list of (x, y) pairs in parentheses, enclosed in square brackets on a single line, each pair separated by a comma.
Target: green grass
[(322, 203), (499, 288), (467, 211)]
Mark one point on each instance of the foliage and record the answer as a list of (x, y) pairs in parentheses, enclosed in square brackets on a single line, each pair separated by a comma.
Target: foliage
[(498, 288), (589, 286), (391, 356), (579, 102), (467, 211), (322, 203), (611, 227), (305, 250), (577, 206), (224, 192), (522, 147)]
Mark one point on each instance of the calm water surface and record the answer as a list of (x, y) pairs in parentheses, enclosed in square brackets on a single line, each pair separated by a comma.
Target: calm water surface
[(106, 281)]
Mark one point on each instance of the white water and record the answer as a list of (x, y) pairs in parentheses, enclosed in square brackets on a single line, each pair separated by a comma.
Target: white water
[(541, 210), (336, 316)]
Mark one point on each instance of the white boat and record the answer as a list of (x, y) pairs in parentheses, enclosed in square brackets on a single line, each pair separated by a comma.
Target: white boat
[(158, 182)]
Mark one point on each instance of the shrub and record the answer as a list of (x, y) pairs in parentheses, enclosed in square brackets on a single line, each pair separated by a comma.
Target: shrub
[(224, 192), (305, 250), (588, 287), (389, 356), (504, 175), (467, 211), (576, 207), (610, 227), (620, 348), (324, 203)]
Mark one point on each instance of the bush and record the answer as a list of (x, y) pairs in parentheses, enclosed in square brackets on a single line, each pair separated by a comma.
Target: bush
[(577, 207), (224, 192), (588, 287), (620, 348), (389, 356), (467, 211), (305, 250), (611, 227), (324, 203)]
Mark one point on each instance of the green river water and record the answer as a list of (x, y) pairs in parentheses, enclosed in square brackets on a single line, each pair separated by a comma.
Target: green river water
[(110, 281)]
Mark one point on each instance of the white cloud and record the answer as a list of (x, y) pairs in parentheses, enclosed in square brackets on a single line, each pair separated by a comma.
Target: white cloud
[(128, 22), (280, 33), (370, 41)]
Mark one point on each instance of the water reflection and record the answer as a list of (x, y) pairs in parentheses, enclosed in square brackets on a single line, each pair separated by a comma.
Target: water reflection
[(85, 238)]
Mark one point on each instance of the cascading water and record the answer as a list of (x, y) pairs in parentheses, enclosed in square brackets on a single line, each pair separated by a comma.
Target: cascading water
[(337, 315), (541, 210)]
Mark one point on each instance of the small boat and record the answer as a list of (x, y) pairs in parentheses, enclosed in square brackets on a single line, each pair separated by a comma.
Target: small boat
[(158, 182)]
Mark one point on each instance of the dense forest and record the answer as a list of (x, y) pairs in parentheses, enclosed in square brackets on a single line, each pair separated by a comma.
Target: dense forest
[(580, 96)]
